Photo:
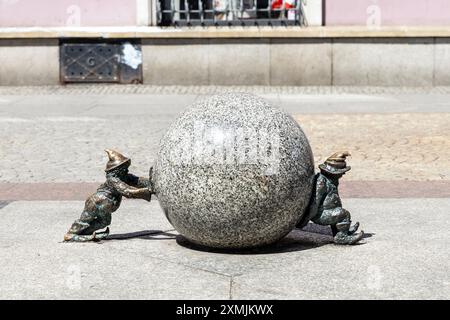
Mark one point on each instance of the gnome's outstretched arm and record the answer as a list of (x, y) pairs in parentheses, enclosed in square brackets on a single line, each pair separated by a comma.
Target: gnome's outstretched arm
[(138, 182), (318, 194), (129, 191), (141, 182)]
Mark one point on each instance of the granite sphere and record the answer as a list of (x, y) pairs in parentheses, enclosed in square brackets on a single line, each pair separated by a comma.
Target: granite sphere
[(234, 172)]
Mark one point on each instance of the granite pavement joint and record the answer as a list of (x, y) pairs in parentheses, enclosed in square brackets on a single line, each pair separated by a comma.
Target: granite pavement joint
[(4, 204), (231, 287), (189, 266)]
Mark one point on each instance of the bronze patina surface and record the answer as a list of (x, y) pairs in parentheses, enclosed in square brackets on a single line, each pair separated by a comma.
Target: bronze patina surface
[(325, 207), (100, 205)]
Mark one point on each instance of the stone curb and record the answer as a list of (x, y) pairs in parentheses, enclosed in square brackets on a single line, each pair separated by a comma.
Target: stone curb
[(102, 89)]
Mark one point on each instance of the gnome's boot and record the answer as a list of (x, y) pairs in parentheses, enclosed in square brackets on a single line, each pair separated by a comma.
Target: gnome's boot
[(345, 234), (353, 228), (96, 236), (86, 228)]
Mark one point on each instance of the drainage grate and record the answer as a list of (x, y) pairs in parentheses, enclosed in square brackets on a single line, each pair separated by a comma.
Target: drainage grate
[(113, 62)]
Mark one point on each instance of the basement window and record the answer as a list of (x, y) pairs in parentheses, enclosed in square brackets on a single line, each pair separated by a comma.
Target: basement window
[(230, 12)]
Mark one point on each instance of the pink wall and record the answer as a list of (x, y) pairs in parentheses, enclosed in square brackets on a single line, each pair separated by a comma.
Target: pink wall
[(45, 13), (387, 12), (52, 13)]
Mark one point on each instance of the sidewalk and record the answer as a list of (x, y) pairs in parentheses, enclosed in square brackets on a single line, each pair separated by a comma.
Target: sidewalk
[(51, 146)]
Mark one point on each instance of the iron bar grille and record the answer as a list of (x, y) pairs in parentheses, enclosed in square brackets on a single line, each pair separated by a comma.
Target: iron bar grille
[(230, 12)]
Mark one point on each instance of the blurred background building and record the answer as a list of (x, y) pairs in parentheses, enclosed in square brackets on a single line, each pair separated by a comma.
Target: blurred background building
[(225, 42)]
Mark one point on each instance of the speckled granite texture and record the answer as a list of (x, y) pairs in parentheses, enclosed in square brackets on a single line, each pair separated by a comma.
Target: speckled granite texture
[(234, 172)]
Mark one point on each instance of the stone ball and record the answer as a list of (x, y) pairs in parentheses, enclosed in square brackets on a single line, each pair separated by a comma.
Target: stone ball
[(234, 172)]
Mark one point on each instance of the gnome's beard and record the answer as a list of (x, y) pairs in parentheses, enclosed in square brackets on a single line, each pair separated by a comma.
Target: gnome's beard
[(118, 172), (334, 178)]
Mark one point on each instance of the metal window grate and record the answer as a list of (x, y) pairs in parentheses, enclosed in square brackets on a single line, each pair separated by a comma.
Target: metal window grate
[(230, 12)]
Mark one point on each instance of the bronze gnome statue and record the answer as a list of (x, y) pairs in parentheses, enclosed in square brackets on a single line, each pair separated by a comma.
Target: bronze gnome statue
[(100, 205), (325, 207)]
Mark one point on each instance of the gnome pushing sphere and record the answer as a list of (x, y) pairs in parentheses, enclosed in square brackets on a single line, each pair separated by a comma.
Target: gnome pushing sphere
[(325, 207), (100, 205)]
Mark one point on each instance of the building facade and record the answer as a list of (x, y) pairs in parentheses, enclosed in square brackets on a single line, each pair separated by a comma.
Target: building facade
[(226, 42)]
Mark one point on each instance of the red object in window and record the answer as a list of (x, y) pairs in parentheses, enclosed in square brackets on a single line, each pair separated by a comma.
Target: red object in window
[(278, 4)]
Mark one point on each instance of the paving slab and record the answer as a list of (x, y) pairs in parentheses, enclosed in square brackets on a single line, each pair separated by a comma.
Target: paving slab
[(405, 257), (35, 263)]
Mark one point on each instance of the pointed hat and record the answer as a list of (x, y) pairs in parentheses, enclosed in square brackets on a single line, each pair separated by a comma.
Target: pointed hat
[(116, 159), (336, 164)]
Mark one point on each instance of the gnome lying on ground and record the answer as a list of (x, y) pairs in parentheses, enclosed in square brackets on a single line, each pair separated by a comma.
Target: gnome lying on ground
[(326, 207), (100, 205)]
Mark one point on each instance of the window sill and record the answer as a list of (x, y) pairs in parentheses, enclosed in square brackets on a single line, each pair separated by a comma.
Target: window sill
[(224, 32)]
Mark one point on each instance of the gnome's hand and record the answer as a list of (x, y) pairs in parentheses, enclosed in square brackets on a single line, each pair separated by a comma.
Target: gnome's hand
[(150, 174), (146, 194)]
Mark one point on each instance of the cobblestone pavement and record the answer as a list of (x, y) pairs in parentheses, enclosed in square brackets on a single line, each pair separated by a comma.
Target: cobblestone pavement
[(385, 146), (56, 137)]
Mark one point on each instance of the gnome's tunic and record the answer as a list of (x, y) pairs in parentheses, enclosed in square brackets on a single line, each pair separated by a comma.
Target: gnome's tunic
[(325, 205), (100, 205)]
